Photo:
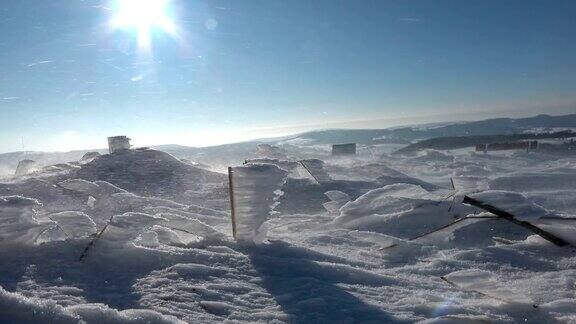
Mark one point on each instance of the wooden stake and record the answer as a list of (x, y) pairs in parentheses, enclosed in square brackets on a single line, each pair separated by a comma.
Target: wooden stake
[(306, 168), (231, 194), (85, 253)]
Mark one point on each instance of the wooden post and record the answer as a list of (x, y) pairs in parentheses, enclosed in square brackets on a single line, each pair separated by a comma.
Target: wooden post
[(307, 170), (85, 252), (511, 218), (231, 194)]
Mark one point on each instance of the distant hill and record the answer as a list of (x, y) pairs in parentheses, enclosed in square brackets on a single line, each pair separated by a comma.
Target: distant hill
[(228, 154), (497, 126), (456, 142)]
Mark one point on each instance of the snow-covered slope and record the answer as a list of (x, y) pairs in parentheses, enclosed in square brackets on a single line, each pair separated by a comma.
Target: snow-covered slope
[(142, 237)]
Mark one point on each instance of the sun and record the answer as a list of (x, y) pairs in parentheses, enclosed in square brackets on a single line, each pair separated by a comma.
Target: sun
[(143, 17)]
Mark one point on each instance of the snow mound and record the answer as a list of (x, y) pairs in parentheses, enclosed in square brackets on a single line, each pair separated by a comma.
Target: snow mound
[(402, 210), (536, 181), (270, 151), (148, 173), (293, 167), (433, 156), (387, 176), (379, 201)]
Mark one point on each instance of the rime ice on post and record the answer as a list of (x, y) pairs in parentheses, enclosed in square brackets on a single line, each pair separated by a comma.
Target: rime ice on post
[(254, 190), (26, 167)]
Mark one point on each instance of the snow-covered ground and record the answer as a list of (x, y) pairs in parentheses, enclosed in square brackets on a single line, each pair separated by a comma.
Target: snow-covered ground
[(344, 250)]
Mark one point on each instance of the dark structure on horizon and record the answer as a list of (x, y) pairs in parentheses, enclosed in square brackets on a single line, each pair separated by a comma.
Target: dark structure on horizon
[(118, 143), (526, 145), (344, 149)]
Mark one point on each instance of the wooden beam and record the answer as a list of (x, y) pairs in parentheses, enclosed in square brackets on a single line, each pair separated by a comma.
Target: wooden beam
[(511, 218), (85, 252), (231, 194), (307, 170)]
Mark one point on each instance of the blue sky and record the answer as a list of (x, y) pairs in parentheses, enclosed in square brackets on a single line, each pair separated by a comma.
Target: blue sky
[(233, 70)]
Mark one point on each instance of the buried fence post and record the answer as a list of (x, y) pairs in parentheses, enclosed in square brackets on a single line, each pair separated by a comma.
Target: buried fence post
[(308, 170), (231, 194), (93, 241), (511, 218)]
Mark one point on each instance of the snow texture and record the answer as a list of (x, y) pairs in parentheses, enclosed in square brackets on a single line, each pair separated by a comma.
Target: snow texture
[(363, 245)]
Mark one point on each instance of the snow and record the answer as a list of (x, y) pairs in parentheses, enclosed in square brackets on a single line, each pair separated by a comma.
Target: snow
[(15, 308), (514, 203), (353, 247)]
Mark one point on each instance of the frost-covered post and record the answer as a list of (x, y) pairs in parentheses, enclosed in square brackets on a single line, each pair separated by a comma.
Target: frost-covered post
[(231, 194), (254, 192)]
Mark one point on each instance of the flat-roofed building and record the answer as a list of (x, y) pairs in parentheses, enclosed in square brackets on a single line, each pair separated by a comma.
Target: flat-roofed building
[(525, 145), (118, 143), (344, 149)]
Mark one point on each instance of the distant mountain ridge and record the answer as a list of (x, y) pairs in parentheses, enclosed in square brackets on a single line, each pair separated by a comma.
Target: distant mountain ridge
[(496, 126), (400, 135)]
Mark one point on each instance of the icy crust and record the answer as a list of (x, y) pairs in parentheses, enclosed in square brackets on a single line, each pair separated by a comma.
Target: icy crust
[(405, 210), (74, 224), (400, 210), (15, 308), (256, 189), (18, 222), (97, 189), (126, 217), (337, 200), (469, 184), (514, 203)]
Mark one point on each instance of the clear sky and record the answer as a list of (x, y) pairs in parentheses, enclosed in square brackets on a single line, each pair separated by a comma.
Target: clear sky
[(202, 72)]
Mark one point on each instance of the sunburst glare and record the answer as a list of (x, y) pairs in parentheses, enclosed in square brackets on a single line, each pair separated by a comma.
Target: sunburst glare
[(143, 17)]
